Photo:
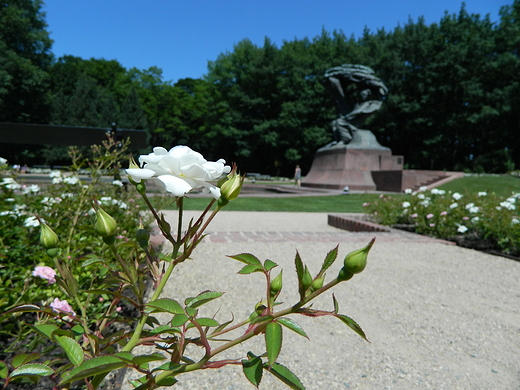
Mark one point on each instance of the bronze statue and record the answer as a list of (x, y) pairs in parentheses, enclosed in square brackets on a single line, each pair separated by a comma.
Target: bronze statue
[(357, 93)]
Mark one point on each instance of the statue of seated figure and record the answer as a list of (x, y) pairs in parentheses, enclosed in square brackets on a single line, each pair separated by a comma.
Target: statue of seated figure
[(357, 93)]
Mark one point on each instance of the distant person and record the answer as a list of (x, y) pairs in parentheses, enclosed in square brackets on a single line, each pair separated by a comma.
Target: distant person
[(297, 176), (24, 169)]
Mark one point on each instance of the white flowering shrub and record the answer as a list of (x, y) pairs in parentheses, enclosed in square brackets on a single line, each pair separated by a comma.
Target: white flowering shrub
[(477, 216), (27, 275), (189, 340)]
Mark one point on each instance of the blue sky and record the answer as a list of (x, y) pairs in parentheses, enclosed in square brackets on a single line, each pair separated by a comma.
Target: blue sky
[(181, 36)]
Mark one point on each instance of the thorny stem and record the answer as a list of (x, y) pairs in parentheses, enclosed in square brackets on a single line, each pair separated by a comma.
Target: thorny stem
[(246, 336)]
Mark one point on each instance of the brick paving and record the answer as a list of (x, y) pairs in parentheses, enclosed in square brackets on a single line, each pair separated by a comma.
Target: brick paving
[(298, 236)]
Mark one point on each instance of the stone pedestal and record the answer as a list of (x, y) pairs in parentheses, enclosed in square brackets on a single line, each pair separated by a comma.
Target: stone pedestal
[(338, 165)]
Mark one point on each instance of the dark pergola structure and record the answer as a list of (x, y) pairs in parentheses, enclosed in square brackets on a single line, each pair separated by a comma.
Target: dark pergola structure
[(25, 133)]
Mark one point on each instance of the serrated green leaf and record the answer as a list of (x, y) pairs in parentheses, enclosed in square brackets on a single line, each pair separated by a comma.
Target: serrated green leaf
[(273, 341), (92, 259), (329, 260), (151, 321), (351, 324), (165, 305), (336, 304), (292, 325), (45, 329), (28, 309), (203, 298), (4, 371), (285, 375), (253, 370), (24, 358), (72, 349), (268, 265), (78, 330), (94, 366), (179, 320), (300, 272), (165, 329), (249, 269), (170, 366), (168, 381), (141, 359), (127, 357), (204, 322), (191, 312), (165, 226), (33, 369), (222, 326), (247, 258)]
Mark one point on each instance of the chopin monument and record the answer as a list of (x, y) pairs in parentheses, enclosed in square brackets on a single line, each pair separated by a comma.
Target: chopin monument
[(354, 158)]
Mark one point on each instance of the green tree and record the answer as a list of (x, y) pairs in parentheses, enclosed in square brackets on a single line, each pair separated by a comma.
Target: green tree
[(25, 57)]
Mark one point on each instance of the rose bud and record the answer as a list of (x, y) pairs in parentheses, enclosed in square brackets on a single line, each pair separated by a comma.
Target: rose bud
[(356, 261)]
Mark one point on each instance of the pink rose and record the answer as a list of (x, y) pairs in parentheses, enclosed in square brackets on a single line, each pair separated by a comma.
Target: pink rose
[(46, 273), (63, 306), (444, 213), (429, 216)]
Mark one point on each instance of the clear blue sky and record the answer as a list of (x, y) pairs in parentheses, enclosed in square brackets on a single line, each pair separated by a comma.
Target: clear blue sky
[(181, 36)]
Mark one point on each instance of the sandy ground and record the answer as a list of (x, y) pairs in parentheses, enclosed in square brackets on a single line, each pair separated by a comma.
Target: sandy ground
[(437, 316)]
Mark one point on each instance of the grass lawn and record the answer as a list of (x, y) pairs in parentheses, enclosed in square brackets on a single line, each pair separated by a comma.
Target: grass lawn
[(353, 203), (502, 185)]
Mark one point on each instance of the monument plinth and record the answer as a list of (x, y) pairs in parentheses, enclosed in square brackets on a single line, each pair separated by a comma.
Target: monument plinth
[(339, 165)]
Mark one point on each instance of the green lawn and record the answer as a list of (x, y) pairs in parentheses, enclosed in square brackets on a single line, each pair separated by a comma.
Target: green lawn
[(502, 185), (353, 203), (326, 204)]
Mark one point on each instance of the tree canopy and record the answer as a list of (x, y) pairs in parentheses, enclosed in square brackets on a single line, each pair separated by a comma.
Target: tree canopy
[(452, 103)]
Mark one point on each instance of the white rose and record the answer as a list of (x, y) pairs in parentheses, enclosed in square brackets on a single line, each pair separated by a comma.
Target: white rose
[(180, 170)]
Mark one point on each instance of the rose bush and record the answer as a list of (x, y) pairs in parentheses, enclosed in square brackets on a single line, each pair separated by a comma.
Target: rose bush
[(91, 346), (66, 204), (477, 219)]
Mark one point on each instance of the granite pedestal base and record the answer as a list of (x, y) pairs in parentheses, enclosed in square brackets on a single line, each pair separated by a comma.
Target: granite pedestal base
[(351, 165)]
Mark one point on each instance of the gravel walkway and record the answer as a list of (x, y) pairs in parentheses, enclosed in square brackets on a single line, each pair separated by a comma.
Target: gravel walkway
[(437, 316)]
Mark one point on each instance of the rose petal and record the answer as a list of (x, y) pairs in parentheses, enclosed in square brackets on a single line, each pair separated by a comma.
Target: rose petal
[(139, 174), (172, 184)]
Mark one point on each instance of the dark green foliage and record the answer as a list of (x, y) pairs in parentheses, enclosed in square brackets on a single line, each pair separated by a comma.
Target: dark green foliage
[(25, 58), (452, 102)]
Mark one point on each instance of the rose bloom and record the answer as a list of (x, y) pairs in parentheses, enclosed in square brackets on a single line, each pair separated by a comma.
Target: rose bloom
[(444, 213), (429, 216), (457, 196), (462, 229), (180, 170), (46, 273), (63, 306)]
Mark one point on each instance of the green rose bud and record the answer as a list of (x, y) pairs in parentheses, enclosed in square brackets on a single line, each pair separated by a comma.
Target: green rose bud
[(52, 252), (317, 284), (48, 239), (276, 285), (356, 261), (344, 275), (306, 279), (142, 236), (141, 188), (105, 225), (230, 186)]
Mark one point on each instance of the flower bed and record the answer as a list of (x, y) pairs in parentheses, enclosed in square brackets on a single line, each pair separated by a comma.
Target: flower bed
[(477, 220)]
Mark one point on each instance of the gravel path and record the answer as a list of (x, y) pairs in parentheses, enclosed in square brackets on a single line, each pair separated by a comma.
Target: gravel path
[(437, 316)]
